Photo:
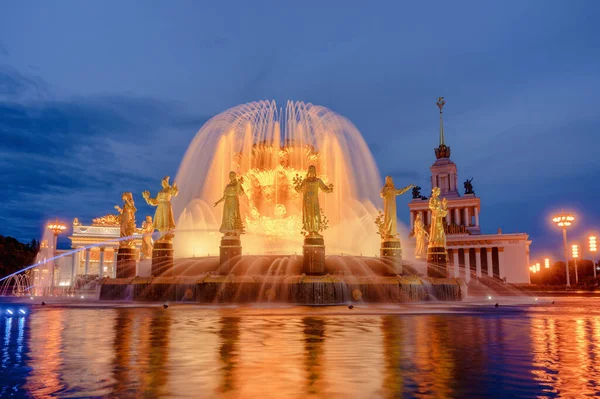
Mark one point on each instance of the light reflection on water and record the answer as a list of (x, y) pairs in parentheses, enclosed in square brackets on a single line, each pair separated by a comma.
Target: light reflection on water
[(528, 351)]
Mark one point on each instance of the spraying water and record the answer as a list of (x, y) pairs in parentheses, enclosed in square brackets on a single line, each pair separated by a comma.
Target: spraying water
[(268, 147)]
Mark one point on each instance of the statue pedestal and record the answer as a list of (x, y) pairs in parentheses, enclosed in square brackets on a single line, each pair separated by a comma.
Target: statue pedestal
[(391, 252), (313, 253), (126, 262), (437, 259), (230, 253), (162, 259)]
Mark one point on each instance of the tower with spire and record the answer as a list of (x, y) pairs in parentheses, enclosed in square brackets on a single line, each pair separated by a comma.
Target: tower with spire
[(443, 171)]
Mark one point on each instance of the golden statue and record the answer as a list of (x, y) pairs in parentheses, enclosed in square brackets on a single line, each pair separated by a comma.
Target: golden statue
[(127, 220), (439, 210), (420, 236), (231, 224), (312, 224), (389, 193), (147, 242), (163, 218)]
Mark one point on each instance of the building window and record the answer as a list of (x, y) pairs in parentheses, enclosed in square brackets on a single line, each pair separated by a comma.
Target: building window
[(495, 262), (484, 265), (473, 260)]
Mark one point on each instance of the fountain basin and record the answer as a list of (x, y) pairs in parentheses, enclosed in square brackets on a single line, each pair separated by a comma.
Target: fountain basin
[(296, 289)]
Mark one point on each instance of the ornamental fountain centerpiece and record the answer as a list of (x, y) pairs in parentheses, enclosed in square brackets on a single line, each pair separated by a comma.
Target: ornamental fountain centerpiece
[(276, 164)]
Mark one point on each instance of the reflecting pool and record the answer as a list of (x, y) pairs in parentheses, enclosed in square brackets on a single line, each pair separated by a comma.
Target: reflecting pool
[(541, 349)]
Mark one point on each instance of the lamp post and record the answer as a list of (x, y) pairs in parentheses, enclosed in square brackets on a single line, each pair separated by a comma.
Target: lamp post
[(575, 253), (593, 250), (563, 221), (56, 228)]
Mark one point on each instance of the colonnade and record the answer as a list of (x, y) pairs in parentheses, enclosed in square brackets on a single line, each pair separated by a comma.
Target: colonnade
[(454, 255), (458, 216)]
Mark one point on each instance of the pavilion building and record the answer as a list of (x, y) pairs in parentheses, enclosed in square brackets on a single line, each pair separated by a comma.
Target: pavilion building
[(470, 253)]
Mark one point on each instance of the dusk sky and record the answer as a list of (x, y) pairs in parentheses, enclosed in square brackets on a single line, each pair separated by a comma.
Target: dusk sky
[(97, 98)]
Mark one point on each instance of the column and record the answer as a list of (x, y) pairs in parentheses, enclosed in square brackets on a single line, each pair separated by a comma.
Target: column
[(501, 262), (424, 217), (478, 262), (428, 217), (490, 266), (448, 217), (86, 269), (114, 268), (412, 220), (467, 221), (456, 265), (467, 265), (457, 216), (101, 263), (74, 257), (476, 216)]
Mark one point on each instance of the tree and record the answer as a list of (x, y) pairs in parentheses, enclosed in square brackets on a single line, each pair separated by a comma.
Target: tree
[(15, 255)]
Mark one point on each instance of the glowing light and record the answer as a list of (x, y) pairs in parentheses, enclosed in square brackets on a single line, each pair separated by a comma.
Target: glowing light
[(575, 251), (593, 247), (547, 263), (9, 311), (57, 227), (563, 220), (489, 297), (22, 311), (82, 297), (537, 267)]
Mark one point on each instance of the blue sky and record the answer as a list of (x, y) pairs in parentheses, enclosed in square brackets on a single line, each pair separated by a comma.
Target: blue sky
[(101, 97)]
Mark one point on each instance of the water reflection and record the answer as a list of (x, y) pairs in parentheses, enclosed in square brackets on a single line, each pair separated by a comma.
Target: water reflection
[(229, 334), (314, 337), (199, 352)]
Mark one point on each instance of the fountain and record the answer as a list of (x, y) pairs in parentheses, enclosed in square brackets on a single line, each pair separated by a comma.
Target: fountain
[(276, 238), (264, 153)]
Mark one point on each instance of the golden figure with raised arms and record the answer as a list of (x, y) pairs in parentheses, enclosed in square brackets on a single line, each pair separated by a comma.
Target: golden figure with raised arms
[(312, 224), (389, 193), (163, 218), (231, 224)]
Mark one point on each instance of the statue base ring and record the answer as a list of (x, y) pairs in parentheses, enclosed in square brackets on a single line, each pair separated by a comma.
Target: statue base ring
[(126, 262), (437, 259), (313, 252), (162, 259), (391, 252), (230, 253)]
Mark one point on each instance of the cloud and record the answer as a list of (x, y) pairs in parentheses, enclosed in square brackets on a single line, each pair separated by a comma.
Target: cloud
[(73, 157)]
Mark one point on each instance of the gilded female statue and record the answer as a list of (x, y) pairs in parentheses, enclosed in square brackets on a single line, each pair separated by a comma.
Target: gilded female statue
[(127, 219), (420, 236), (389, 193), (163, 218), (147, 242), (311, 211), (231, 224), (439, 210)]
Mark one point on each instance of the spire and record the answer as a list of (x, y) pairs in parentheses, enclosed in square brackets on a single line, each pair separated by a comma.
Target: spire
[(442, 151), (440, 103)]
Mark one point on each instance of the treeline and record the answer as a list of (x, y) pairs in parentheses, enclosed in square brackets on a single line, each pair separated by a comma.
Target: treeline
[(557, 274), (15, 255)]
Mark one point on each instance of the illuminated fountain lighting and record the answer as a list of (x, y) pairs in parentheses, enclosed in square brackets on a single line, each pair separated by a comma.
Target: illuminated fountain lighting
[(268, 147)]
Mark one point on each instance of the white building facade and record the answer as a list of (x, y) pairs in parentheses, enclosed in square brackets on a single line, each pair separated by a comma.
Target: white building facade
[(471, 254)]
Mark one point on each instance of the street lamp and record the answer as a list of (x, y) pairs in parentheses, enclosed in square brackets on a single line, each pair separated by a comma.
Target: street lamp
[(593, 250), (547, 263), (563, 221), (56, 228), (575, 253)]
